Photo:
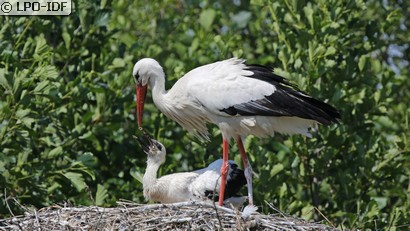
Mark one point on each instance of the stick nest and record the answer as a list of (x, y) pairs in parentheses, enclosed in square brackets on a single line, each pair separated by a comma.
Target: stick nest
[(194, 215)]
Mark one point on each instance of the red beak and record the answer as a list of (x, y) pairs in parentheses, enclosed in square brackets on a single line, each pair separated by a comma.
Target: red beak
[(141, 93)]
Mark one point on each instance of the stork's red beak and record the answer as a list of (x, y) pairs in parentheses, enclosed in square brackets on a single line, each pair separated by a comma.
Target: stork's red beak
[(141, 93)]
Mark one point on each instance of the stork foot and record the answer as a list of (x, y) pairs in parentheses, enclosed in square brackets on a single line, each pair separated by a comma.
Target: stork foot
[(225, 168)]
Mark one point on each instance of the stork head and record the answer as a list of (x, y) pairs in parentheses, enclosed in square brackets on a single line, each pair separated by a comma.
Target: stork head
[(153, 148), (145, 71)]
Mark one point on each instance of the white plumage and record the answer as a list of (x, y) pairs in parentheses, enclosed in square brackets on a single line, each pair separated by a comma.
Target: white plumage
[(240, 99), (185, 186), (198, 97)]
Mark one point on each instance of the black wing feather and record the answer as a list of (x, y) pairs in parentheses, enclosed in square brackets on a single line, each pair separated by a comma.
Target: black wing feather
[(236, 181), (287, 100)]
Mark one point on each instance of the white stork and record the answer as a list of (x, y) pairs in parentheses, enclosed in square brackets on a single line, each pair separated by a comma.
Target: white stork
[(185, 186), (240, 99)]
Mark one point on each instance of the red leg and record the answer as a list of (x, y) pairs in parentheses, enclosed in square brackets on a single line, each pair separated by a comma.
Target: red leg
[(224, 171), (247, 168)]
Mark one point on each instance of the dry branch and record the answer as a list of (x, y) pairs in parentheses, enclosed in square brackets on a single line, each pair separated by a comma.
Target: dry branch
[(193, 215)]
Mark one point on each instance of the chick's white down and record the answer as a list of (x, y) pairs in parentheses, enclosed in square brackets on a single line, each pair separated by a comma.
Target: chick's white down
[(186, 186)]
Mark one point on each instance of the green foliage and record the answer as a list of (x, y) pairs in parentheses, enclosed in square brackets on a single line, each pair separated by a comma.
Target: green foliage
[(67, 102)]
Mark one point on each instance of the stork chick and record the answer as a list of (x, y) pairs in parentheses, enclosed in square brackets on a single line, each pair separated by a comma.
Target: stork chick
[(201, 184)]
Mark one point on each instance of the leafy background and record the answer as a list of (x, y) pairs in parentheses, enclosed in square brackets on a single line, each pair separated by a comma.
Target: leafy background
[(67, 102)]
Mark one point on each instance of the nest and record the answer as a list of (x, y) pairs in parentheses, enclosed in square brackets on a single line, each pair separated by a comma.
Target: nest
[(194, 215)]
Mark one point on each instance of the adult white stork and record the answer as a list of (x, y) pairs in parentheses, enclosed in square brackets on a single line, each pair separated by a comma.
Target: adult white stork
[(185, 186), (240, 99)]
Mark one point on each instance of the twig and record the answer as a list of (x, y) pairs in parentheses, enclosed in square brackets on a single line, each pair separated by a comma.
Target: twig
[(321, 214), (214, 204), (275, 209), (20, 205), (37, 220), (7, 203)]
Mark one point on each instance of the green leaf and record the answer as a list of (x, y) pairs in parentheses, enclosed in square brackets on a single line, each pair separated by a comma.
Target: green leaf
[(83, 13), (195, 44), (312, 47), (80, 167), (118, 63), (258, 2), (41, 87), (206, 18), (330, 63), (53, 187), (100, 195), (102, 19), (46, 72), (76, 179), (283, 190), (50, 72), (87, 159), (67, 39), (372, 209), (22, 113), (27, 121), (377, 95), (376, 65), (242, 18), (41, 45), (362, 62), (86, 135), (330, 51), (309, 14), (298, 63), (381, 201), (22, 157), (136, 174), (307, 212), (3, 81), (55, 152), (103, 4), (319, 51), (16, 86), (276, 169)]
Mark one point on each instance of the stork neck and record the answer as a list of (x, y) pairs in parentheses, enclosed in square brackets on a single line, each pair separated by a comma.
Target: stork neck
[(150, 176), (158, 90), (157, 82)]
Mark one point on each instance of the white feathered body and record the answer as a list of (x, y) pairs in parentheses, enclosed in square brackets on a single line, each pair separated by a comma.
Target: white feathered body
[(171, 188), (199, 96), (184, 186)]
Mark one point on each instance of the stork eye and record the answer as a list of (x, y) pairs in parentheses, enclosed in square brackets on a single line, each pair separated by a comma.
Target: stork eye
[(136, 77), (158, 146)]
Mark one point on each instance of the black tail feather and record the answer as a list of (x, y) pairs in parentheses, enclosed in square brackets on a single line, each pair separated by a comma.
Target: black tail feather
[(286, 100)]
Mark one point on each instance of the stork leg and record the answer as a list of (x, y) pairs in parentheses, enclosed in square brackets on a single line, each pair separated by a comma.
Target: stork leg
[(224, 170), (247, 168)]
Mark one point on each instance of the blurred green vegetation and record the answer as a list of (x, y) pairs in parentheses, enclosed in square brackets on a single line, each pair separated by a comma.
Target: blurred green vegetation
[(67, 102)]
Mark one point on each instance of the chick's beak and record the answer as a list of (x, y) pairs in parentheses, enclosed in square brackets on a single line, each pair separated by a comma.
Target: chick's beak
[(145, 140), (141, 93)]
